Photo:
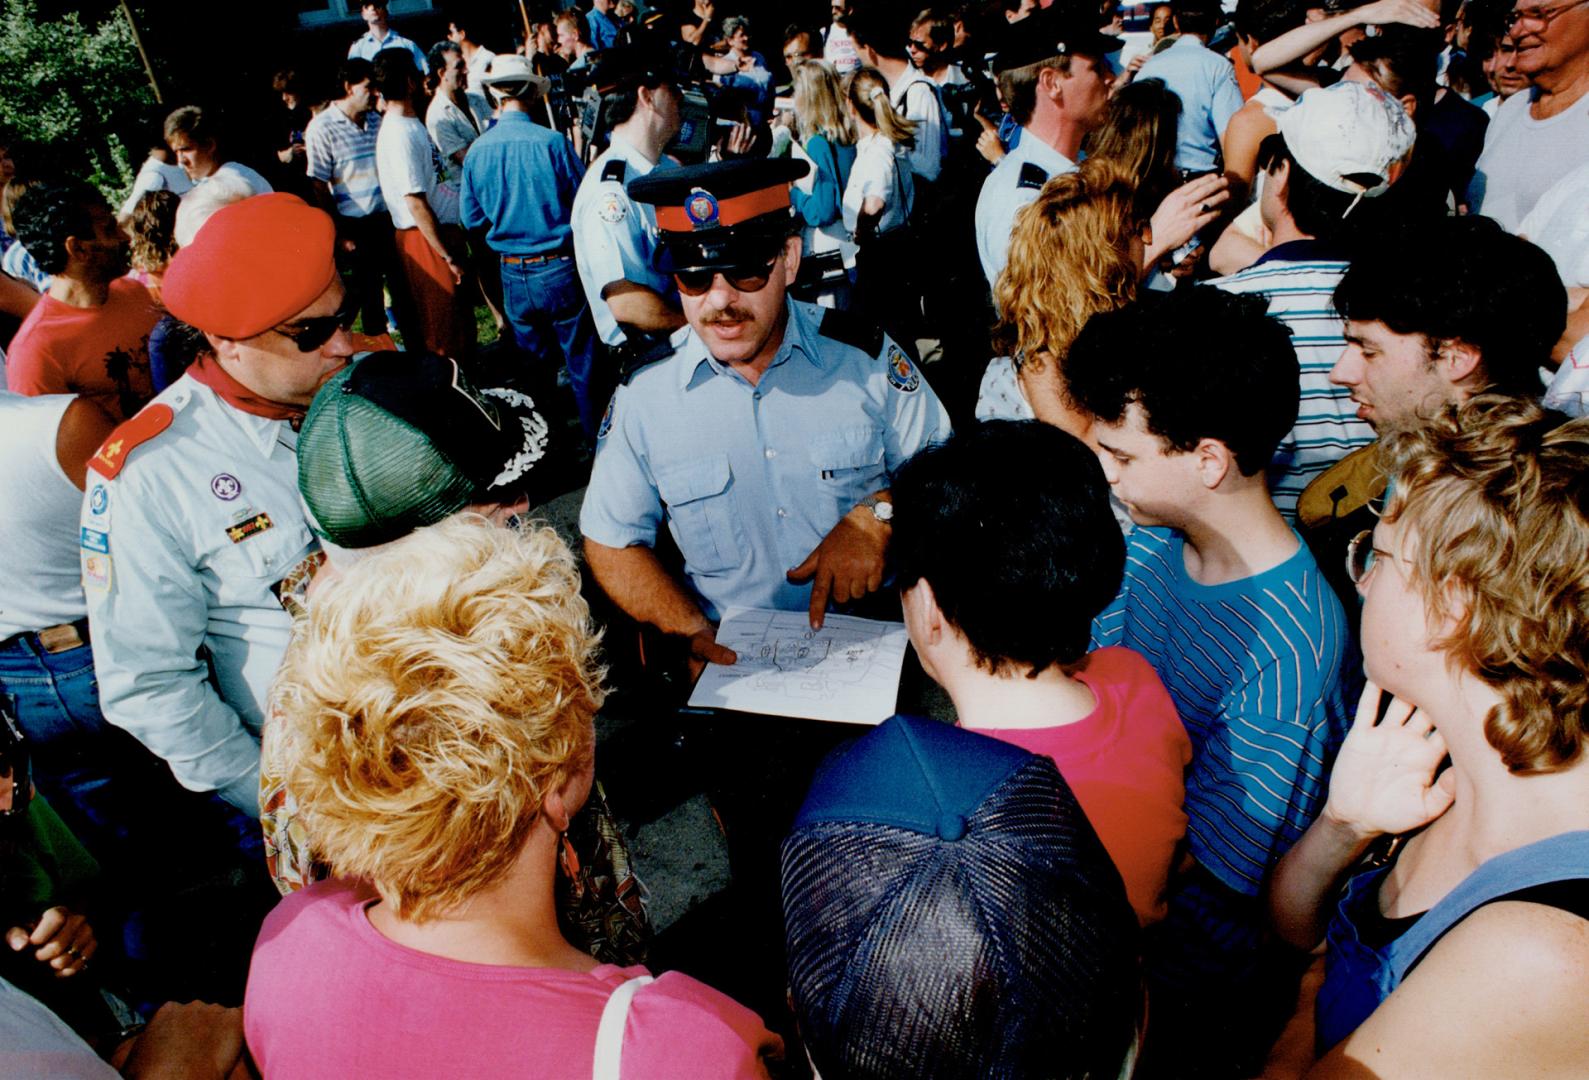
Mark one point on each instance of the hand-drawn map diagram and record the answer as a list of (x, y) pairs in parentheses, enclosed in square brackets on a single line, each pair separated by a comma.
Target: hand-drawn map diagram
[(847, 672)]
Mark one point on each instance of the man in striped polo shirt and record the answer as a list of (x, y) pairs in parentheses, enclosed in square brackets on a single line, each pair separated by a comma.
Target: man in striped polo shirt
[(340, 148), (1335, 148), (1191, 394)]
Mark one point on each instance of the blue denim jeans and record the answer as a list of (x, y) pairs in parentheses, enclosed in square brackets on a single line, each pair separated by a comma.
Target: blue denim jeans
[(546, 306), (119, 799)]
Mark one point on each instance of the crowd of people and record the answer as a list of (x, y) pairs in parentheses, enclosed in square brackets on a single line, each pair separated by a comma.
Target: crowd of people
[(1202, 386)]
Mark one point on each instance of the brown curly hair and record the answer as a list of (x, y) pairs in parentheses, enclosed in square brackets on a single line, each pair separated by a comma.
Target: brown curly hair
[(1498, 492), (153, 227), (1070, 258)]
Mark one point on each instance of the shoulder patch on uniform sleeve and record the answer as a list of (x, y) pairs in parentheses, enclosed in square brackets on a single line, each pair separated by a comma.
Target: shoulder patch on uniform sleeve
[(612, 208), (902, 374), (613, 170), (852, 330), (1032, 176), (110, 457), (606, 418)]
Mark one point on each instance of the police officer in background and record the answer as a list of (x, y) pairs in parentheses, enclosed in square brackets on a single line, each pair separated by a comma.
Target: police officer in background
[(765, 441), (614, 236), (192, 528), (1058, 68)]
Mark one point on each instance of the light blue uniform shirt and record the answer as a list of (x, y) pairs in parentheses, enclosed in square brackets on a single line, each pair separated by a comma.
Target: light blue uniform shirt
[(366, 47), (614, 236), (1003, 195), (1206, 84), (749, 479), (520, 178)]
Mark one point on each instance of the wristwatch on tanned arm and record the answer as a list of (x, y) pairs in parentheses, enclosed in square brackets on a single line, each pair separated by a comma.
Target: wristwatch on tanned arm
[(882, 509)]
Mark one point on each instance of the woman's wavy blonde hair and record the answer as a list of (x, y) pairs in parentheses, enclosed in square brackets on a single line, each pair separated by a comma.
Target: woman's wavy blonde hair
[(868, 93), (819, 103), (1498, 493), (429, 702), (1070, 258)]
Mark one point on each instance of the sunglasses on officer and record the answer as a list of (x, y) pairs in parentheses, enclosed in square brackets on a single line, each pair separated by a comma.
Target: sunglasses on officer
[(309, 334), (743, 277)]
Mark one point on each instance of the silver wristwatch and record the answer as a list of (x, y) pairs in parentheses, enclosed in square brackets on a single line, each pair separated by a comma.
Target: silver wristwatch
[(881, 509)]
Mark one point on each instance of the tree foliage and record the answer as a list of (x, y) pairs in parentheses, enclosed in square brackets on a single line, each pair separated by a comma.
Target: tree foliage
[(73, 90)]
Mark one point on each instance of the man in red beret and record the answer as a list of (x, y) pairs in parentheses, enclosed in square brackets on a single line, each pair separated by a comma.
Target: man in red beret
[(191, 520)]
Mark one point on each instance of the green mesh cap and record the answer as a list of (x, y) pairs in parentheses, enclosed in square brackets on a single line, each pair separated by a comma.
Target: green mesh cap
[(396, 441)]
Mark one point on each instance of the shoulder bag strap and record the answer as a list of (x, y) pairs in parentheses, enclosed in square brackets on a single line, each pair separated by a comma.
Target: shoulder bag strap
[(609, 1034)]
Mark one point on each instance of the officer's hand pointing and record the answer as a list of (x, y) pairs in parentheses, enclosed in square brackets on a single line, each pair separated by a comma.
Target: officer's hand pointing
[(704, 650), (848, 563)]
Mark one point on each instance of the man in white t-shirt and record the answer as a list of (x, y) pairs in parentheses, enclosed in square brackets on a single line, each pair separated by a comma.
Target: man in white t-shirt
[(1540, 134), (460, 31), (424, 213), (837, 48), (880, 39), (192, 139)]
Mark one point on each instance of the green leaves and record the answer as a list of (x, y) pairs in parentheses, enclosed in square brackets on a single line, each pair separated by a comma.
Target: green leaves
[(74, 88)]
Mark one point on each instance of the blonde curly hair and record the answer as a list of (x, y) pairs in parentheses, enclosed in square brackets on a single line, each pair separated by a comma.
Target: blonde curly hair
[(1498, 493), (1070, 258), (431, 699)]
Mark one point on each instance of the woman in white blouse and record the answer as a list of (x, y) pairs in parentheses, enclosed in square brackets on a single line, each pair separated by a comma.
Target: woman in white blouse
[(877, 204)]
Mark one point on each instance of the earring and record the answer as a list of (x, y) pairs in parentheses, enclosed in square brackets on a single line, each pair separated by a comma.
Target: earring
[(567, 857)]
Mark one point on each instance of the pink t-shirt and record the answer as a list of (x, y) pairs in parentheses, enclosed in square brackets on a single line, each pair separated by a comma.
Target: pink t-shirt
[(329, 996), (101, 353), (1126, 762)]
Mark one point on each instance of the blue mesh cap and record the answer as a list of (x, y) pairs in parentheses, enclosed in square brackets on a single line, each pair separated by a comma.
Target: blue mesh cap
[(949, 912)]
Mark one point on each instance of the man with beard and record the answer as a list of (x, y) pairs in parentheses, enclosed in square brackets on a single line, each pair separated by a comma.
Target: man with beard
[(89, 332), (765, 441)]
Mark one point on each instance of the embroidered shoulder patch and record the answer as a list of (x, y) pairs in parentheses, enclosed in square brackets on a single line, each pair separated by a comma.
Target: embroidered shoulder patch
[(110, 457), (902, 374), (612, 208), (606, 418), (96, 571)]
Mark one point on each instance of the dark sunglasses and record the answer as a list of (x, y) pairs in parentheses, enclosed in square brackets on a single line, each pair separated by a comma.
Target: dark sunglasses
[(919, 46), (746, 278), (310, 334)]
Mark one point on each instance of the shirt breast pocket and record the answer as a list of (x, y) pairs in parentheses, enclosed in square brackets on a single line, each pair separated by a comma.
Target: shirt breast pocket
[(248, 557), (849, 466), (700, 505)]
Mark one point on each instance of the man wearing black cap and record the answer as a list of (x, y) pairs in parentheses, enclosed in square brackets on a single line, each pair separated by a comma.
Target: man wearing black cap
[(614, 237), (765, 441), (1060, 77)]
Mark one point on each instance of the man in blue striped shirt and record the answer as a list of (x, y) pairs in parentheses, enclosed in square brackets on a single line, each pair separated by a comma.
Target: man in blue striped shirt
[(1190, 396)]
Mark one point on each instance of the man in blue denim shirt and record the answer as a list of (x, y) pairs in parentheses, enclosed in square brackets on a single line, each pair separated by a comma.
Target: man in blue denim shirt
[(519, 180), (766, 441)]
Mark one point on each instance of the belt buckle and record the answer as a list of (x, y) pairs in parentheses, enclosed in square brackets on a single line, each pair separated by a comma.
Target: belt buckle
[(57, 639)]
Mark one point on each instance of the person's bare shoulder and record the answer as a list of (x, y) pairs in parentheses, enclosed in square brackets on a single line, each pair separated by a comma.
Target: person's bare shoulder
[(1505, 993)]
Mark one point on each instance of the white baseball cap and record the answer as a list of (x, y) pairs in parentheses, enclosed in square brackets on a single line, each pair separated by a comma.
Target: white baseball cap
[(1351, 137)]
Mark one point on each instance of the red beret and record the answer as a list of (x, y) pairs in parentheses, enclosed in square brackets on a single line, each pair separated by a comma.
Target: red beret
[(253, 265)]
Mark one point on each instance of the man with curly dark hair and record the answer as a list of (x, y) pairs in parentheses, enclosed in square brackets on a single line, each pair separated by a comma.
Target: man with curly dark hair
[(1458, 308), (89, 332)]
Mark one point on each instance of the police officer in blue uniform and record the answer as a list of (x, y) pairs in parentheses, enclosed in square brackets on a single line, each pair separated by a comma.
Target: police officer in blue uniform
[(1061, 76), (615, 237), (765, 441)]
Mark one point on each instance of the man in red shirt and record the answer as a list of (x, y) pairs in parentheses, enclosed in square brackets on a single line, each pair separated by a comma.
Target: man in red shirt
[(89, 333)]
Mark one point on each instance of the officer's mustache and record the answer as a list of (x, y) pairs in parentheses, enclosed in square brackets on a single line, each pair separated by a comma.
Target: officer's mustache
[(728, 315)]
